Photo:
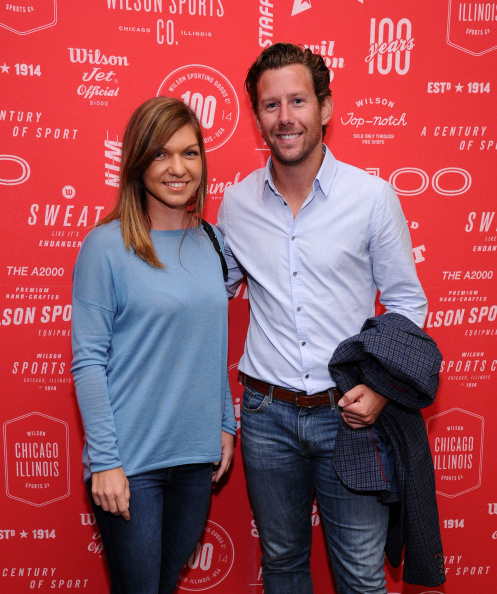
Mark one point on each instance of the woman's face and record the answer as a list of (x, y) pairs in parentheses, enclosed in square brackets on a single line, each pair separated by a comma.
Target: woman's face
[(174, 175)]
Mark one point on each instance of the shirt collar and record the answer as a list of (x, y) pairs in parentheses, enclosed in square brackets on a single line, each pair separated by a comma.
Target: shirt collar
[(326, 172), (268, 180), (323, 180)]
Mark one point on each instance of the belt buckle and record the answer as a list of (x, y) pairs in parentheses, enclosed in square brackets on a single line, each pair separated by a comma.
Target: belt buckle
[(303, 394)]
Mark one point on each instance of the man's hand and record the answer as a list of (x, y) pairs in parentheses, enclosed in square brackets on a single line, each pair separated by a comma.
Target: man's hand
[(361, 406), (227, 449), (110, 490)]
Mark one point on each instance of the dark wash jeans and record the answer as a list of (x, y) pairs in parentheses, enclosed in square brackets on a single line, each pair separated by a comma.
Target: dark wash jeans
[(287, 453), (168, 508)]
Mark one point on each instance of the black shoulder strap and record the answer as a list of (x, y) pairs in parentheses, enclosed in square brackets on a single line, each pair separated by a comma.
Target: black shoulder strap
[(212, 236)]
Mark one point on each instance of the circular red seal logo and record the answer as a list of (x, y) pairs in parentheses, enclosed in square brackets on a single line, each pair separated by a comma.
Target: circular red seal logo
[(211, 560), (210, 95)]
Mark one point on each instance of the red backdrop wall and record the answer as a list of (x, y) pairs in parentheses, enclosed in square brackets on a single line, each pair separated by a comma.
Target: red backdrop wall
[(414, 85)]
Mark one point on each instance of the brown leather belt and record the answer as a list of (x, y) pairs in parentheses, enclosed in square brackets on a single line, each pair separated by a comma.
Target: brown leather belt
[(297, 398)]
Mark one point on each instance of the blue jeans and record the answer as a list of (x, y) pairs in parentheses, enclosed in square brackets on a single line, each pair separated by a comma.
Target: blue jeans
[(168, 508), (287, 452)]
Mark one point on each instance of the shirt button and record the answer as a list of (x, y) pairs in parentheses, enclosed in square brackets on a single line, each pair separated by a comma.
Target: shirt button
[(292, 237), (307, 376), (303, 344), (299, 308), (294, 274)]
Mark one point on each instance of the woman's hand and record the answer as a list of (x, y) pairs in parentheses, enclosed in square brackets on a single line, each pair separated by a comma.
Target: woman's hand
[(227, 449), (110, 490)]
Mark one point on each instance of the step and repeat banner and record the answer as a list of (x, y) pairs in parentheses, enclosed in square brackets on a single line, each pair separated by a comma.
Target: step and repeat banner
[(414, 85)]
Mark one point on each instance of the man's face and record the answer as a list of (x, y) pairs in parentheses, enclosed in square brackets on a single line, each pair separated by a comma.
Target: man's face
[(289, 115)]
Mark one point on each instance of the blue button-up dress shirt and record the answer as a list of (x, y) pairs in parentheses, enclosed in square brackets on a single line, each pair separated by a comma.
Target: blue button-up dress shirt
[(313, 279)]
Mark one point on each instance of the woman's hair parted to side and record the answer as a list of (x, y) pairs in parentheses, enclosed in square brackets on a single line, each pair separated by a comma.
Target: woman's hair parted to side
[(150, 127)]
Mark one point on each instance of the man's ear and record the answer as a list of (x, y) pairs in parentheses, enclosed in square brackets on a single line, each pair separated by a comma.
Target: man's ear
[(326, 110), (257, 123)]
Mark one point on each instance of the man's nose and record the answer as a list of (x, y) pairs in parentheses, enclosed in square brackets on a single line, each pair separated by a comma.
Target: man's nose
[(285, 115)]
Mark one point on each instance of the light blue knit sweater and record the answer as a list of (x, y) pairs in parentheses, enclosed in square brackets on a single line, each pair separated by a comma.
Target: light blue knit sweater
[(150, 352)]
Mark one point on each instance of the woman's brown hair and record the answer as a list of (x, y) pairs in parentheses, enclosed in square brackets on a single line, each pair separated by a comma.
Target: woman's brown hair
[(150, 127)]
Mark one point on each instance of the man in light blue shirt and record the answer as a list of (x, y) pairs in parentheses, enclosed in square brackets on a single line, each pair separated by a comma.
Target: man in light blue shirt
[(316, 240)]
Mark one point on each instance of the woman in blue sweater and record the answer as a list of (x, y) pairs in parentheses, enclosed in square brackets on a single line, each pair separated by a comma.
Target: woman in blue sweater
[(149, 336)]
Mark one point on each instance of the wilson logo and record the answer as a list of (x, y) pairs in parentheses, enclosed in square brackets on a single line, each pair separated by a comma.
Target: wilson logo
[(82, 56)]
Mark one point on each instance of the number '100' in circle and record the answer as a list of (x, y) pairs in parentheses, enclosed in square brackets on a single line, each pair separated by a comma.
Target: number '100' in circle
[(205, 109)]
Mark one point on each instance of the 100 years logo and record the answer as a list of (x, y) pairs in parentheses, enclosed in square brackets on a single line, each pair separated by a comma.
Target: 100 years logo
[(210, 95)]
